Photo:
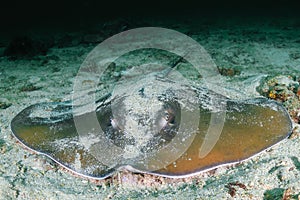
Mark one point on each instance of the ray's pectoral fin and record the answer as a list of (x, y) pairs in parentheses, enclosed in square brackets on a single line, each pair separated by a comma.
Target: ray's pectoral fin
[(247, 128), (48, 128)]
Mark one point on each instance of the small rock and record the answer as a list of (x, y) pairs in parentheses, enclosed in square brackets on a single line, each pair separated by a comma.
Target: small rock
[(283, 89), (4, 103), (3, 146), (228, 71), (28, 88)]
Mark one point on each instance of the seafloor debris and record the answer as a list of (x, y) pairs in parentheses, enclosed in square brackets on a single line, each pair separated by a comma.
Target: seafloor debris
[(29, 87), (231, 187), (4, 105), (296, 132), (228, 71), (280, 193), (284, 89)]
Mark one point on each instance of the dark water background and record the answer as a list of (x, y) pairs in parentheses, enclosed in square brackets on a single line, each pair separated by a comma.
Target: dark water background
[(18, 17), (25, 23)]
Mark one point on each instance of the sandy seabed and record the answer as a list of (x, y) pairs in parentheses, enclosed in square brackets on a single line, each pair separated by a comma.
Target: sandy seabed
[(255, 48)]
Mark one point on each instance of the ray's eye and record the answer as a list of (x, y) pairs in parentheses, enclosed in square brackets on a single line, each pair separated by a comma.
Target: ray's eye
[(168, 121), (169, 117), (115, 124)]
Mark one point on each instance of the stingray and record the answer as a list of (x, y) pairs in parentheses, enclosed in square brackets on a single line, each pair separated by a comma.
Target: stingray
[(168, 134)]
